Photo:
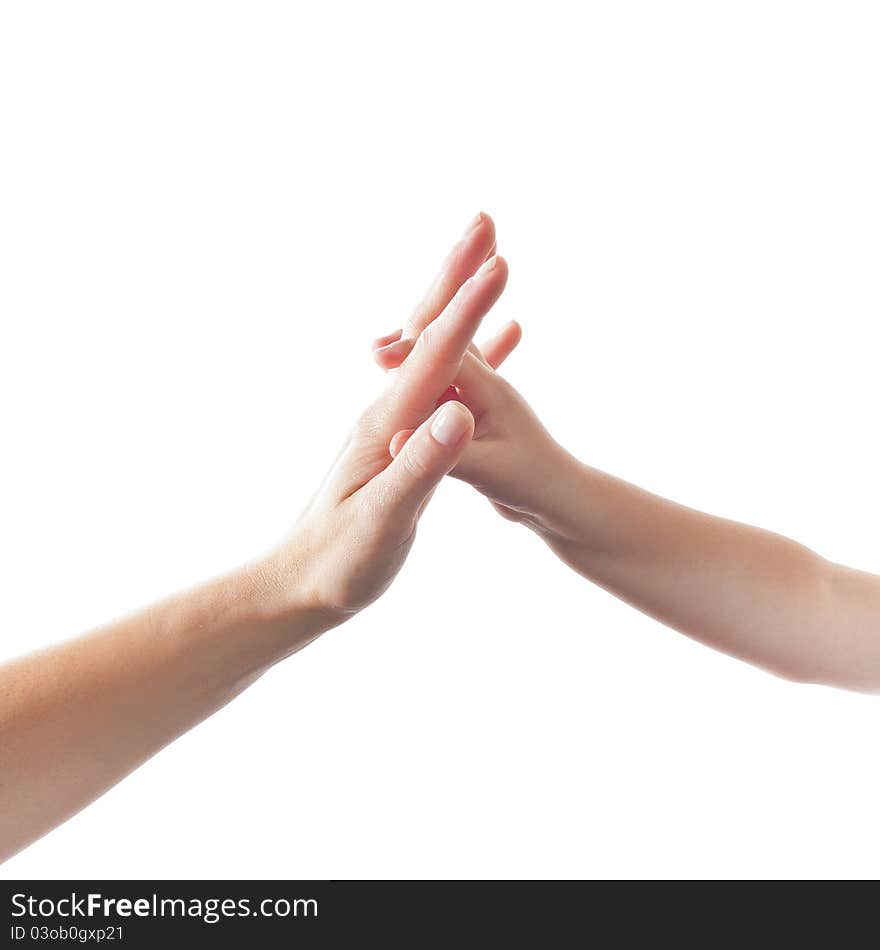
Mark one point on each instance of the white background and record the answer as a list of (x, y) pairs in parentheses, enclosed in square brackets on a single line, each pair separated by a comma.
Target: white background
[(208, 210)]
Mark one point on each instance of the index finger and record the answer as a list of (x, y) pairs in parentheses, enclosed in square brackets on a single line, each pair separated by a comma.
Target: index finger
[(472, 249), (435, 360)]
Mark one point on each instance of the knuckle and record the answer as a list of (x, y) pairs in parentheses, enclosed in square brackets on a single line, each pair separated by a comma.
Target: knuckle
[(434, 346), (416, 462)]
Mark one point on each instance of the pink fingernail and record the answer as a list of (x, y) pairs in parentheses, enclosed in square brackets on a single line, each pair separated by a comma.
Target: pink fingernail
[(383, 341), (450, 425), (399, 347), (487, 266)]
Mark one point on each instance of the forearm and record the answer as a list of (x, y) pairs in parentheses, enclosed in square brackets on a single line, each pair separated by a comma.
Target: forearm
[(78, 717), (748, 592)]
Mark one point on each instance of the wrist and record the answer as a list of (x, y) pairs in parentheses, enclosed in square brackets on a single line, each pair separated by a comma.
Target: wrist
[(245, 621), (551, 505), (282, 595)]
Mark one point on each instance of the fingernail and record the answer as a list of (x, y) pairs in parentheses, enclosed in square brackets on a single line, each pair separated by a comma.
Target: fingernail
[(487, 266), (474, 223), (449, 425), (381, 341), (397, 347)]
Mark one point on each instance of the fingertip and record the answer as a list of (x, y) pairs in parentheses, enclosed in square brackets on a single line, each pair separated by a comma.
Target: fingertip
[(499, 347), (381, 341), (385, 360), (513, 331), (478, 239), (480, 220), (490, 280), (452, 424), (393, 354), (495, 268), (398, 441)]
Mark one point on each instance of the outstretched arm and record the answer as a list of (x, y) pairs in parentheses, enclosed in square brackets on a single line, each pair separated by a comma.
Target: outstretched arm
[(743, 590), (78, 717), (748, 592)]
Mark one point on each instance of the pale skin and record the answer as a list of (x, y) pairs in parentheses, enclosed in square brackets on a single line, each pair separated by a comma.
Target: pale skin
[(77, 717), (748, 592)]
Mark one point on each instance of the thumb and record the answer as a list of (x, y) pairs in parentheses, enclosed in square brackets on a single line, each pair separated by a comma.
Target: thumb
[(430, 453)]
